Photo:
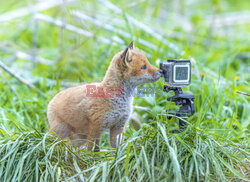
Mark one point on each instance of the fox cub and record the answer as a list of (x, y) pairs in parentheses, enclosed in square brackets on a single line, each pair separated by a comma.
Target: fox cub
[(82, 112)]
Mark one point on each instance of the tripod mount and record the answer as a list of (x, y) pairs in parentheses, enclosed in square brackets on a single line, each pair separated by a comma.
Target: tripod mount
[(187, 106)]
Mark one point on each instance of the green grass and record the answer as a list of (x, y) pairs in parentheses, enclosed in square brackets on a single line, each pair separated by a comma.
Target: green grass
[(214, 148), (152, 153)]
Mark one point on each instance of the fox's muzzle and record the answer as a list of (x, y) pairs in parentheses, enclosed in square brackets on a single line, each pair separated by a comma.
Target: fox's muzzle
[(156, 75)]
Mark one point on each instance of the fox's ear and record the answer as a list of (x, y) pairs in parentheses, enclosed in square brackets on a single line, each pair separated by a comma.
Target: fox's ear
[(126, 54), (131, 45)]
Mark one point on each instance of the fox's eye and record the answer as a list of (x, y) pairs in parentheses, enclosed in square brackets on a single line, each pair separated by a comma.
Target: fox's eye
[(144, 67)]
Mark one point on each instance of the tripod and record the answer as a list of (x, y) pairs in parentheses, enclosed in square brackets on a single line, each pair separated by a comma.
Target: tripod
[(187, 106)]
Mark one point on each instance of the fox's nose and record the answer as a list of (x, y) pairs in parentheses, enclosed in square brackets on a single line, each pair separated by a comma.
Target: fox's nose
[(157, 74), (155, 69), (158, 71)]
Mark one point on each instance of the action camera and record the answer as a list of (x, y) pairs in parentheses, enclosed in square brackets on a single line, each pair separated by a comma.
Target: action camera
[(176, 72)]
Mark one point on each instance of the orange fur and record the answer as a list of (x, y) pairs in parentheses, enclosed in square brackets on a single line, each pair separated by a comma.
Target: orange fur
[(74, 115)]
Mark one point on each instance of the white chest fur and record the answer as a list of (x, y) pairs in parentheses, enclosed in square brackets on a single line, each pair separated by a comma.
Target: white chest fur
[(121, 112)]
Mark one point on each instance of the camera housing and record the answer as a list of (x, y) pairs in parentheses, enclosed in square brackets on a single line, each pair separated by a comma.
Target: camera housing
[(176, 72)]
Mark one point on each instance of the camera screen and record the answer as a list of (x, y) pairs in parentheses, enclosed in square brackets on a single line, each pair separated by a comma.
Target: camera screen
[(181, 73)]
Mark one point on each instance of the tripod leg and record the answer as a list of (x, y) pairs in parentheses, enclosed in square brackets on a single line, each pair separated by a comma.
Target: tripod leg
[(182, 125)]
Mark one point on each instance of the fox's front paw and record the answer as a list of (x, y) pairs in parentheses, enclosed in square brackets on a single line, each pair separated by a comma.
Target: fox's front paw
[(90, 147)]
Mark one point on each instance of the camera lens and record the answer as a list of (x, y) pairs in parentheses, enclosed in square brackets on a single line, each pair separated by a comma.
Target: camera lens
[(161, 72)]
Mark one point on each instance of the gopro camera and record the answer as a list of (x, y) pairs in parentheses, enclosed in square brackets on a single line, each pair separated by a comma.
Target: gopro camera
[(176, 72)]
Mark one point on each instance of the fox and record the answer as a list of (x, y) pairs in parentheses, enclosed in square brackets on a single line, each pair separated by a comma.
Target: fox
[(81, 114)]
